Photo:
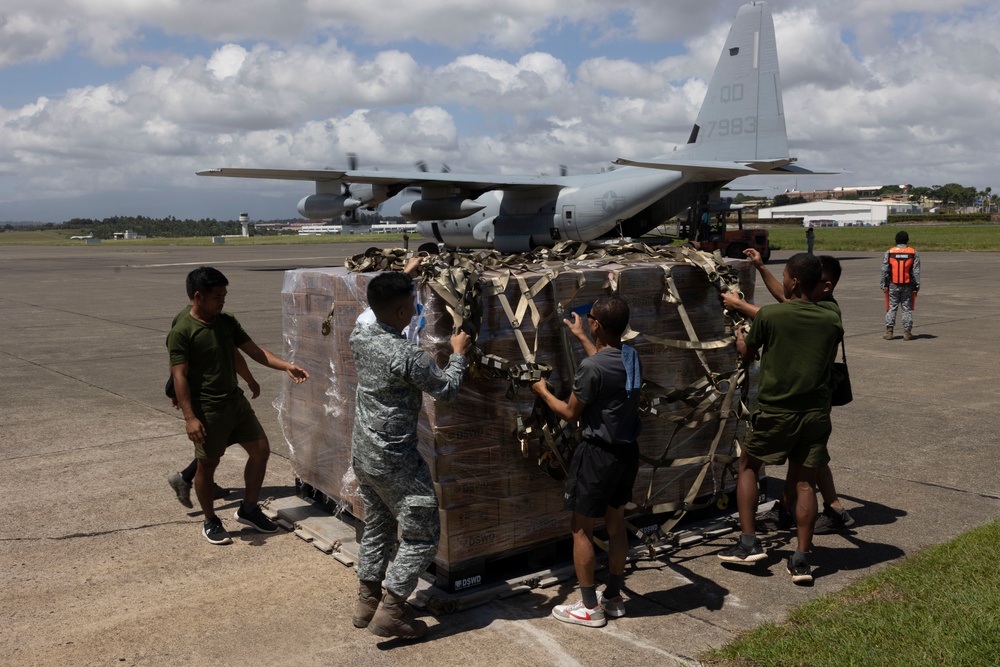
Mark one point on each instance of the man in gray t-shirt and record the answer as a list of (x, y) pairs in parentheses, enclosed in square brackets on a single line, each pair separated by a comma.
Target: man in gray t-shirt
[(610, 416), (605, 400)]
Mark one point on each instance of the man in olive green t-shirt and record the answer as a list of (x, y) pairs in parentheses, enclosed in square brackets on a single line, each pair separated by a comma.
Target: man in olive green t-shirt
[(202, 346), (182, 482), (798, 340)]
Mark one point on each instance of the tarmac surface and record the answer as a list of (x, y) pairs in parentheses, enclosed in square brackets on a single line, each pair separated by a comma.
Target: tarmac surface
[(100, 565)]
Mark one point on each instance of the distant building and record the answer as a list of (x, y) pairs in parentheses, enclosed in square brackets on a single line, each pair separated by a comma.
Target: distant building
[(319, 230), (851, 191), (833, 213), (394, 228)]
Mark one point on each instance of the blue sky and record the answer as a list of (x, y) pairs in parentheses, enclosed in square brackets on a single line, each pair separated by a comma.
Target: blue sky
[(108, 107)]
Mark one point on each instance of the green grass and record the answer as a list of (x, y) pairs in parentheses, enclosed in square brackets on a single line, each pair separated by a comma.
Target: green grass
[(939, 607), (949, 238), (952, 238), (41, 237), (60, 237)]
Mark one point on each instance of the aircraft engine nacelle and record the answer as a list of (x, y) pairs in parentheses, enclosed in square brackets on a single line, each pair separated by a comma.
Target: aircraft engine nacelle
[(323, 206), (368, 194), (451, 208)]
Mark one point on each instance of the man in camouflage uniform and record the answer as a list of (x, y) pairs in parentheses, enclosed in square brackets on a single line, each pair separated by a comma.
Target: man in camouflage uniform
[(394, 481)]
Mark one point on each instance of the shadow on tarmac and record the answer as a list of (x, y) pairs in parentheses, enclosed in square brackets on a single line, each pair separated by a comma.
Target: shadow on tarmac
[(828, 560), (830, 556), (699, 593), (528, 606)]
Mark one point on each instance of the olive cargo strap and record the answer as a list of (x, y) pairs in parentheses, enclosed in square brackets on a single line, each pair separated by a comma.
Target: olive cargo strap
[(458, 279)]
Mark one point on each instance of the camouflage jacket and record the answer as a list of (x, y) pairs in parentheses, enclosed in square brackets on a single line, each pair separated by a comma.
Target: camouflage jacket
[(392, 374)]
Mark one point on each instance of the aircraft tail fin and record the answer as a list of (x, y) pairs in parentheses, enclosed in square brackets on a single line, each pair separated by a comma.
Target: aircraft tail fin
[(742, 118)]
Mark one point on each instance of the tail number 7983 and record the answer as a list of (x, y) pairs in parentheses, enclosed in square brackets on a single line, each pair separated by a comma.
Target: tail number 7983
[(731, 126)]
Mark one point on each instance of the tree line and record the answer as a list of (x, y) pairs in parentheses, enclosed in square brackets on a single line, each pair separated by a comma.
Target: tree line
[(949, 196), (169, 227)]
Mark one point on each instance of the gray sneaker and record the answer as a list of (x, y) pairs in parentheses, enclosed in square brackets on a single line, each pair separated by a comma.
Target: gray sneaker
[(832, 520), (775, 519), (181, 488)]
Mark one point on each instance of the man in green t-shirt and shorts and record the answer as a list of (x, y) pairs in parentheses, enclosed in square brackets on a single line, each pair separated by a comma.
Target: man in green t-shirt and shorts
[(798, 340), (202, 346)]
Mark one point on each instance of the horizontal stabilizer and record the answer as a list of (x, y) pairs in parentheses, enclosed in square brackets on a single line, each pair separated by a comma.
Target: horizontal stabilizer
[(796, 169), (713, 170)]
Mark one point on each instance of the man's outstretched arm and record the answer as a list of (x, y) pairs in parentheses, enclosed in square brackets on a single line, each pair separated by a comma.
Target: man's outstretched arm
[(772, 284), (265, 358)]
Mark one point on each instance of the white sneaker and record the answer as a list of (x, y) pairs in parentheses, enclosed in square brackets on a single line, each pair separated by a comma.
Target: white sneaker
[(613, 607), (580, 614)]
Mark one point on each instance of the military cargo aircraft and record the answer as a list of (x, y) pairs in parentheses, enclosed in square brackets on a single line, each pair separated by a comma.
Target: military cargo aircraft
[(740, 131)]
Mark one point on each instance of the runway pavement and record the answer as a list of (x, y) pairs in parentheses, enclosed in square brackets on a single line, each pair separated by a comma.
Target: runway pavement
[(100, 565)]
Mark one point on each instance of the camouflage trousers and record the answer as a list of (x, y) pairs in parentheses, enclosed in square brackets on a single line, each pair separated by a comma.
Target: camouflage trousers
[(402, 502), (900, 296)]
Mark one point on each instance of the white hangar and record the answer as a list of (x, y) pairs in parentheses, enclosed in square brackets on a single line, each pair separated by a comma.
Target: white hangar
[(837, 212)]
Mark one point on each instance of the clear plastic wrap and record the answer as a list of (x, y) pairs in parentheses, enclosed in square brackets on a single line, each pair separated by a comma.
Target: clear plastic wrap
[(494, 497)]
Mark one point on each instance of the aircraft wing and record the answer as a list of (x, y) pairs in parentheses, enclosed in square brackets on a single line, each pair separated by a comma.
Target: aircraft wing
[(394, 180), (716, 170)]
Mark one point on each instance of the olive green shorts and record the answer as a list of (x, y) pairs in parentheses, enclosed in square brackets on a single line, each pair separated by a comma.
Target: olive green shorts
[(799, 437), (226, 424)]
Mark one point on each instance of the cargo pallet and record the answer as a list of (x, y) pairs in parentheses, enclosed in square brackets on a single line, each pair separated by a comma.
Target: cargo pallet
[(318, 520)]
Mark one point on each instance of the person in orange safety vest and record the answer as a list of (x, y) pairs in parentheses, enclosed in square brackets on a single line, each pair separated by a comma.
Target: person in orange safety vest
[(900, 283)]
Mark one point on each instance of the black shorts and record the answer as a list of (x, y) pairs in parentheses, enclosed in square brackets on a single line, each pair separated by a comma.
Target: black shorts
[(600, 476)]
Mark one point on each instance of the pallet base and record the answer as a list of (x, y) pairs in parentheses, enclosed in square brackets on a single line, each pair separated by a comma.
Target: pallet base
[(339, 536)]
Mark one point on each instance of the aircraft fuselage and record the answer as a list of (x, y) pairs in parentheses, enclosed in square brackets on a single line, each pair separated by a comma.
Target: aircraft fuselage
[(739, 131), (581, 208)]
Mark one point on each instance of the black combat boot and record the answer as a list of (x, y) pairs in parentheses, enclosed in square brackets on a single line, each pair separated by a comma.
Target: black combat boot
[(394, 618), (369, 593)]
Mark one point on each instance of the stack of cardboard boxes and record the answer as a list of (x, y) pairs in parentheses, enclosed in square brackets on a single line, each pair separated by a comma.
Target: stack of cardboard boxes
[(495, 499)]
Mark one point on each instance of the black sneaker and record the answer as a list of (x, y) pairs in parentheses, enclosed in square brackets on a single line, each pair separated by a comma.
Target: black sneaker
[(743, 555), (775, 519), (800, 571), (253, 517), (214, 532), (832, 520), (221, 492)]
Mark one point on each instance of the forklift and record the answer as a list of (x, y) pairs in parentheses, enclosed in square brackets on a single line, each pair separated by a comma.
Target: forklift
[(715, 236)]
